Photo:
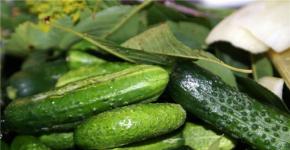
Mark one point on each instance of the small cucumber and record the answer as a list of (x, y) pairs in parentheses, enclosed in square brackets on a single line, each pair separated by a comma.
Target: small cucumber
[(205, 95), (89, 71), (58, 140), (77, 59), (34, 79), (166, 142), (199, 138), (64, 107), (25, 142), (4, 146), (129, 124)]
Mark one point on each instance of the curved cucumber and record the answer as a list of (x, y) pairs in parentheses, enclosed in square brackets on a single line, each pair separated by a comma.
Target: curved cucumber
[(208, 97), (78, 59), (25, 142), (58, 140), (76, 101), (129, 124), (89, 71)]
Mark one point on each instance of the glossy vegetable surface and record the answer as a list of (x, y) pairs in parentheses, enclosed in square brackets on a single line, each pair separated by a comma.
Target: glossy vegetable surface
[(208, 97)]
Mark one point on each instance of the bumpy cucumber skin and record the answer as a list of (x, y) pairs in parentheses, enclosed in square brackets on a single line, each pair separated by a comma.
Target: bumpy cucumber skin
[(58, 140), (89, 71), (129, 124), (166, 142), (208, 97), (79, 100), (24, 142)]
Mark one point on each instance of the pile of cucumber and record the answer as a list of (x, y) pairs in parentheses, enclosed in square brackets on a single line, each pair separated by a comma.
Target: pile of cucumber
[(95, 104)]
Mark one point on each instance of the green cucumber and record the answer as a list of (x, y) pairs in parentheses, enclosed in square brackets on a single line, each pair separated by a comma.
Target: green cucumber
[(199, 138), (35, 79), (166, 142), (77, 59), (58, 140), (89, 71), (129, 124), (4, 146), (64, 107), (25, 142), (205, 95)]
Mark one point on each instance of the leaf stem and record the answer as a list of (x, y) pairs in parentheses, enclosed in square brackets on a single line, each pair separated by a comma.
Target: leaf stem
[(127, 17)]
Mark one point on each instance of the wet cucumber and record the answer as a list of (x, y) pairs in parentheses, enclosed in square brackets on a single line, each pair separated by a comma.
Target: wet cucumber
[(63, 107), (89, 71), (25, 142), (208, 97), (58, 140), (129, 124)]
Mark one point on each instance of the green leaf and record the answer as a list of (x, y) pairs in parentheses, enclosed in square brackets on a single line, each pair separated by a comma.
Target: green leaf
[(260, 93), (29, 36), (158, 42), (232, 56), (116, 23), (161, 40), (201, 138), (190, 34), (261, 66), (215, 145), (219, 70)]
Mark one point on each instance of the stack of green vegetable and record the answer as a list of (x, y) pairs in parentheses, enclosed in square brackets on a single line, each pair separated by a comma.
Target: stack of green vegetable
[(107, 75)]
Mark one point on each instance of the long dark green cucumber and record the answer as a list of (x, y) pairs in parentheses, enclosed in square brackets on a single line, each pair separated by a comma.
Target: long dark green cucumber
[(26, 142), (79, 100), (89, 71), (58, 140), (208, 97), (129, 124)]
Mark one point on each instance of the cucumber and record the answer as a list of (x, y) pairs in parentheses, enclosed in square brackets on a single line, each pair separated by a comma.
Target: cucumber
[(35, 79), (4, 146), (89, 71), (77, 59), (166, 142), (66, 106), (25, 142), (58, 140), (129, 124), (199, 138), (205, 95)]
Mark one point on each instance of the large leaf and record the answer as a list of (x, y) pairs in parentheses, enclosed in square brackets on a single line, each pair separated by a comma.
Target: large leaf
[(233, 56), (161, 40), (261, 66), (155, 43), (29, 36), (224, 73), (190, 34), (201, 138), (260, 93), (116, 23)]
